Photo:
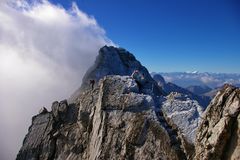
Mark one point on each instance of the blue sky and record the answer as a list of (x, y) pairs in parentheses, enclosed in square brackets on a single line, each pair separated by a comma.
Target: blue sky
[(172, 35)]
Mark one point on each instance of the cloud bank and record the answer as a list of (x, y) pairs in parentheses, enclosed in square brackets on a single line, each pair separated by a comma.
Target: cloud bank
[(44, 52), (212, 80)]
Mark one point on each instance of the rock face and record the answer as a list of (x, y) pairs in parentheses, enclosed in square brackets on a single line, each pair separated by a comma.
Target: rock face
[(218, 136), (37, 143), (115, 121), (124, 118), (184, 112), (118, 119), (116, 61), (43, 135)]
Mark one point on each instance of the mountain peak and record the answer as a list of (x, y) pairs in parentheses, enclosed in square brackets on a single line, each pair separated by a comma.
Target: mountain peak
[(124, 115), (116, 61)]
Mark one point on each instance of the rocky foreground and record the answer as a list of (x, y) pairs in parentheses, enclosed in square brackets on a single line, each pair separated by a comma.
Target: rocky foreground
[(124, 119)]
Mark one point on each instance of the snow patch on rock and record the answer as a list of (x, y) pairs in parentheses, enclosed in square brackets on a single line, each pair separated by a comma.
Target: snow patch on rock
[(184, 112)]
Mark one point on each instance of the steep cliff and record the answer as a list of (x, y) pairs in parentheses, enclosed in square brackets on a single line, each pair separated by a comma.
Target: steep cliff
[(124, 118), (114, 121), (116, 61), (119, 119), (218, 136), (184, 112)]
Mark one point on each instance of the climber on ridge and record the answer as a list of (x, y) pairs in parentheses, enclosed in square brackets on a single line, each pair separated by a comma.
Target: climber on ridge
[(92, 82)]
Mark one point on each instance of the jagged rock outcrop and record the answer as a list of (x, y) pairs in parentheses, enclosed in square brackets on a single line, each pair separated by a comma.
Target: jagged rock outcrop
[(115, 121), (116, 61), (184, 112), (43, 135), (118, 119), (123, 118), (218, 136), (38, 143)]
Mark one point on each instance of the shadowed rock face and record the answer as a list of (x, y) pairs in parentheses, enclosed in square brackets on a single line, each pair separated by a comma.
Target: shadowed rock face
[(218, 136), (38, 143), (43, 135), (116, 61), (184, 112)]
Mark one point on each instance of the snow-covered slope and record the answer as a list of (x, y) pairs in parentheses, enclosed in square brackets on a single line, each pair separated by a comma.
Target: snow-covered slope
[(171, 87), (184, 112)]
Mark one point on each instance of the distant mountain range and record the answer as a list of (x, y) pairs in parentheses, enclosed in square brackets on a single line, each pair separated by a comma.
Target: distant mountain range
[(212, 80), (169, 87), (199, 90)]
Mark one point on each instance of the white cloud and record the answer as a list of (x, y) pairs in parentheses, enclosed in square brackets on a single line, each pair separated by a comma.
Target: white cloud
[(168, 78), (207, 79), (44, 52)]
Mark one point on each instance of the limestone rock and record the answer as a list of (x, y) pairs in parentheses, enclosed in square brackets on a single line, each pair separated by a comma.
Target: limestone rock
[(116, 61), (184, 112), (131, 129), (60, 110), (47, 127), (118, 119), (115, 121), (43, 110), (123, 119), (38, 143), (218, 136)]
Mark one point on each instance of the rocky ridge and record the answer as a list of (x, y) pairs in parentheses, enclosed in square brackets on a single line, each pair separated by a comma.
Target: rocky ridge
[(169, 87), (118, 119), (114, 121), (184, 112), (116, 61), (218, 136), (124, 119)]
